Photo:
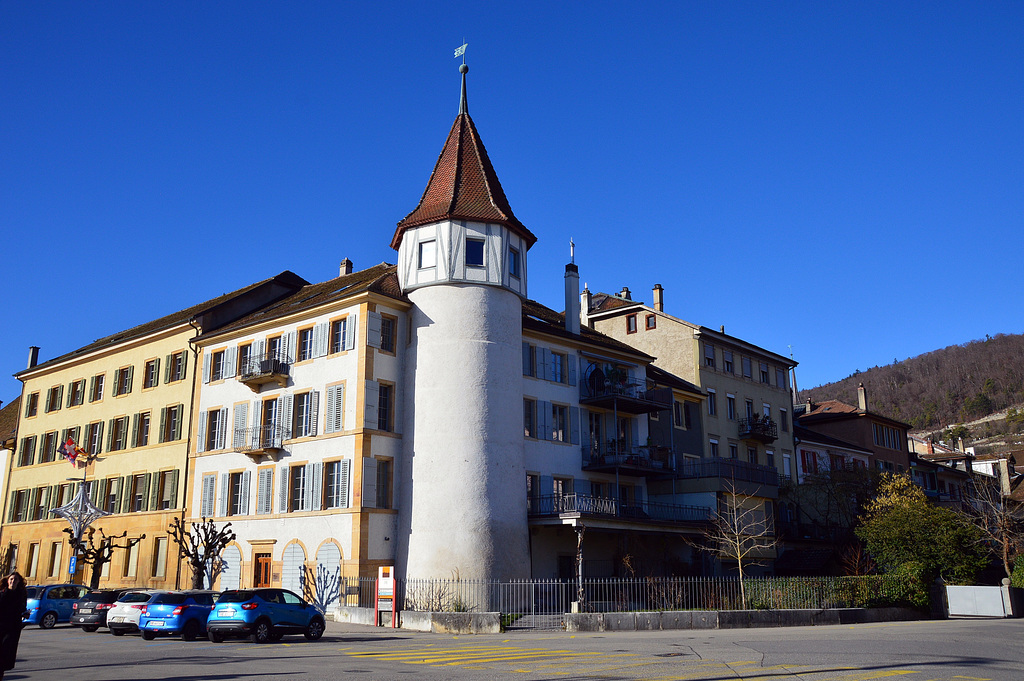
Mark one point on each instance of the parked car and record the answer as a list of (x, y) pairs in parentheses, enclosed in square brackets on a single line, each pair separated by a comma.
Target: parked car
[(49, 604), (177, 612), (90, 611), (264, 615), (124, 616)]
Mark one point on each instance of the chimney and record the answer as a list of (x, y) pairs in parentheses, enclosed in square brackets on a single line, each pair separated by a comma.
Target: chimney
[(659, 298), (33, 356), (345, 268), (1004, 477), (585, 306), (572, 299), (862, 397), (624, 293)]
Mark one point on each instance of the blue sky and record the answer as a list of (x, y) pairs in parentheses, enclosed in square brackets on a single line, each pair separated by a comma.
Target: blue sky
[(842, 178)]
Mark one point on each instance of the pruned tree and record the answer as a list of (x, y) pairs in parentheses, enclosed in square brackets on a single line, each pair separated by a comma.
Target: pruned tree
[(1000, 520), (321, 586), (97, 554), (741, 531), (6, 556), (201, 546)]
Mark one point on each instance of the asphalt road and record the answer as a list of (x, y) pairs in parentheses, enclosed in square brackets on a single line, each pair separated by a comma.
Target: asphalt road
[(960, 650)]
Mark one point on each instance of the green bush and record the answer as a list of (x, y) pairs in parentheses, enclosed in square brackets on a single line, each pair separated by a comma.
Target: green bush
[(1017, 576)]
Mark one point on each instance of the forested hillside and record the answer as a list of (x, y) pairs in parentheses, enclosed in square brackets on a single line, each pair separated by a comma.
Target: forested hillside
[(952, 385)]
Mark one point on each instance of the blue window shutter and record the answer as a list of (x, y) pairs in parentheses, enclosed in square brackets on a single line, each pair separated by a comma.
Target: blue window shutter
[(542, 364), (574, 425), (584, 429), (527, 364), (543, 420), (570, 359)]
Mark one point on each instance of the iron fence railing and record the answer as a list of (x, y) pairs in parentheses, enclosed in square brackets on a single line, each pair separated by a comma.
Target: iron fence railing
[(262, 365), (761, 428), (730, 470), (258, 438), (588, 505)]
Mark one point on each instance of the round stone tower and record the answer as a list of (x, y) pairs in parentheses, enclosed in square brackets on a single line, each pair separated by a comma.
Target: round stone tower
[(462, 262)]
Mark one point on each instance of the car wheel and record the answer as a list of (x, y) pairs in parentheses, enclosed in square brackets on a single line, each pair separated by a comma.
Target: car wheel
[(117, 632), (48, 621), (262, 632), (90, 627), (315, 629), (214, 637), (148, 635), (190, 632)]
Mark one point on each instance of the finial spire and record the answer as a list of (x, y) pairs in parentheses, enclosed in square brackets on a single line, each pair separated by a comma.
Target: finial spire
[(463, 105)]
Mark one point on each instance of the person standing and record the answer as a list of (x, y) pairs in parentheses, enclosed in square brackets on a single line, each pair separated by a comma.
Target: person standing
[(13, 599)]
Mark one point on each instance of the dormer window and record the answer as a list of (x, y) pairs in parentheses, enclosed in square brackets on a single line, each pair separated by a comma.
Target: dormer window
[(474, 252)]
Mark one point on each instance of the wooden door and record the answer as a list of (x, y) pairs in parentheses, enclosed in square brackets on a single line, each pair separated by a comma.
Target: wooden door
[(261, 577)]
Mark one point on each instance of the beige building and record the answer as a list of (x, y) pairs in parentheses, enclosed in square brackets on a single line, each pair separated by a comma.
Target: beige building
[(125, 400)]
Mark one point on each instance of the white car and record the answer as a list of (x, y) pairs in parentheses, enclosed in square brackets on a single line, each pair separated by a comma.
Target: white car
[(124, 616)]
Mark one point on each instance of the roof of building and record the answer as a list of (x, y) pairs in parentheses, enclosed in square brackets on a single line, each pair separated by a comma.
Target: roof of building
[(168, 321), (603, 302), (382, 279), (537, 317), (9, 420), (662, 377), (830, 410), (807, 435), (463, 186)]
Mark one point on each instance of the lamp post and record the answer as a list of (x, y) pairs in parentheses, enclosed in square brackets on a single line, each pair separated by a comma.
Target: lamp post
[(80, 512)]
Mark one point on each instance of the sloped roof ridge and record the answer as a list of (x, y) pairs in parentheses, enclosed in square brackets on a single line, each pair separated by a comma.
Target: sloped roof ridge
[(541, 318)]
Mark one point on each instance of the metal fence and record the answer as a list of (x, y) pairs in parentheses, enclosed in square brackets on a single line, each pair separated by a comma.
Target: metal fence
[(542, 604)]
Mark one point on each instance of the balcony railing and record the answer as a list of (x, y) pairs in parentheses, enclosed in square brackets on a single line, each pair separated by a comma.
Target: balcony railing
[(263, 439), (268, 368), (621, 454), (629, 395), (602, 507), (730, 469), (761, 428)]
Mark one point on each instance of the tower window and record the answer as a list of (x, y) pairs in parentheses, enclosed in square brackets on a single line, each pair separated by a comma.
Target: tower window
[(427, 254), (475, 252), (513, 263)]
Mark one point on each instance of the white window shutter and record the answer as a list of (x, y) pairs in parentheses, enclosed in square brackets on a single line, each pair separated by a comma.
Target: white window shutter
[(282, 488), (207, 357), (289, 346), (256, 434), (230, 355), (259, 347), (307, 488), (332, 401), (264, 490), (373, 329), (206, 498), (316, 484), (372, 394), (350, 331), (369, 482), (222, 507), (321, 339), (243, 500), (344, 478), (284, 413), (314, 412), (339, 409), (201, 441), (241, 414), (574, 425), (222, 429)]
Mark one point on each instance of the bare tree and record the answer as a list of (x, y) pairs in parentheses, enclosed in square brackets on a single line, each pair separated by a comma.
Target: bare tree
[(201, 546), (96, 555), (1000, 519), (740, 531), (6, 556), (321, 586)]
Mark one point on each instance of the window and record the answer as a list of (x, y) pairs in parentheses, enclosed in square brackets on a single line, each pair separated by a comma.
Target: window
[(780, 378), (559, 423), (764, 372), (631, 323), (151, 374), (474, 252), (123, 381), (730, 407), (140, 430), (784, 420), (32, 405), (304, 414), (529, 417), (886, 437), (749, 404), (55, 559), (48, 449), (727, 361), (336, 483), (243, 359), (677, 414), (387, 333), (383, 483), (131, 561), (217, 366), (33, 559), (139, 493), (734, 451), (111, 504), (305, 349), (384, 406), (712, 403), (338, 329), (559, 364), (215, 429), (93, 438), (746, 367), (714, 448), (176, 365), (297, 488), (513, 262), (27, 451), (709, 355), (427, 256), (650, 322), (76, 393), (167, 492), (562, 487), (236, 494), (118, 437), (808, 462), (41, 503), (96, 388), (53, 398), (170, 423), (752, 454), (687, 418), (160, 557)]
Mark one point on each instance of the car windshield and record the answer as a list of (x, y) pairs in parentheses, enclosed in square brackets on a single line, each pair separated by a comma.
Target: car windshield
[(136, 597), (33, 591), (101, 596), (169, 599), (235, 597)]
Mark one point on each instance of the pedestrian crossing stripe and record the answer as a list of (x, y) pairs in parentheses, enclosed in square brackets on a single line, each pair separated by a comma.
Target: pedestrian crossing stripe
[(478, 654)]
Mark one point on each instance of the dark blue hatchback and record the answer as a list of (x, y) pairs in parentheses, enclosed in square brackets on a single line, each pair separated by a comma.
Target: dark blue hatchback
[(178, 612), (264, 615)]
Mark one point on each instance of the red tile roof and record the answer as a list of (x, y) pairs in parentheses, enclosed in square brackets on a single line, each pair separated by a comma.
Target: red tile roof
[(463, 186), (9, 420)]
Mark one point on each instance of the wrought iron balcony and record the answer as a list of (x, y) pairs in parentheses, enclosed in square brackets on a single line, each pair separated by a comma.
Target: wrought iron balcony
[(268, 368), (259, 440), (616, 390), (760, 428), (632, 459), (730, 470), (585, 505)]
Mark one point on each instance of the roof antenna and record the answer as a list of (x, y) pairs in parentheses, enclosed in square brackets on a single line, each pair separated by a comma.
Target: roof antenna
[(463, 69)]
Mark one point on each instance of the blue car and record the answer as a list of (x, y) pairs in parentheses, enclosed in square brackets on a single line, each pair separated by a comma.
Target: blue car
[(263, 615), (179, 612), (49, 604)]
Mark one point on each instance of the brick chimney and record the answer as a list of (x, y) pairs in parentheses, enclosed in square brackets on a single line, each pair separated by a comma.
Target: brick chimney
[(659, 298), (862, 397), (345, 267)]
